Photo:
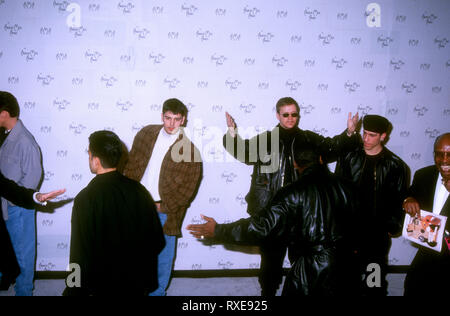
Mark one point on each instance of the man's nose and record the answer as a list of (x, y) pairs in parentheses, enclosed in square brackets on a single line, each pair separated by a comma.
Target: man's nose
[(447, 157)]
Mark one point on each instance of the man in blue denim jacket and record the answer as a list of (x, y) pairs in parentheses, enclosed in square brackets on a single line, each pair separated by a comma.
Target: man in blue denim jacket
[(20, 161)]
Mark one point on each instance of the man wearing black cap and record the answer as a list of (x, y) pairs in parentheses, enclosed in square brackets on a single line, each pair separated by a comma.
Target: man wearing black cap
[(382, 179)]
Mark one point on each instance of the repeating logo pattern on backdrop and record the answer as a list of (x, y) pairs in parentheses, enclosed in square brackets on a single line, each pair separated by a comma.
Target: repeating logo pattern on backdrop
[(81, 66)]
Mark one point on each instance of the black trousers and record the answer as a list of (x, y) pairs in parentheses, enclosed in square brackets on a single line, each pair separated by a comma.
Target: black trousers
[(374, 250), (429, 274), (271, 270), (9, 267)]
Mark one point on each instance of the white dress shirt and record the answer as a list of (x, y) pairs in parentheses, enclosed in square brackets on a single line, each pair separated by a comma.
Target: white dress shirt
[(440, 196)]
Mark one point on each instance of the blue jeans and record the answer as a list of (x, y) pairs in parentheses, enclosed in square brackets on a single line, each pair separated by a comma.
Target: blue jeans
[(21, 225), (165, 262)]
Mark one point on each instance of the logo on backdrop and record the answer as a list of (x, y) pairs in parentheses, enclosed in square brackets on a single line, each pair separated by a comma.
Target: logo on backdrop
[(12, 29)]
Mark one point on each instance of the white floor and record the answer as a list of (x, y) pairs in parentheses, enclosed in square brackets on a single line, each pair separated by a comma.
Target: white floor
[(201, 287)]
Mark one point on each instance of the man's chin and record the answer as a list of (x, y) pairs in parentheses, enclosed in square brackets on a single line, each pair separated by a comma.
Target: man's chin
[(171, 131), (445, 171)]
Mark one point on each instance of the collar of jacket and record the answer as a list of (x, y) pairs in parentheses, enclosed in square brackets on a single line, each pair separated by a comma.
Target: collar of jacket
[(15, 132), (384, 153), (314, 169)]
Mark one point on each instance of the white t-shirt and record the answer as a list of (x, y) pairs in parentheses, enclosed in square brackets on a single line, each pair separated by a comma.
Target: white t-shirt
[(150, 179)]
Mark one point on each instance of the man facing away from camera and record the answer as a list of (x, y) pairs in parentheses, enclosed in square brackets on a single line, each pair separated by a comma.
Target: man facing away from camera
[(116, 232), (314, 218)]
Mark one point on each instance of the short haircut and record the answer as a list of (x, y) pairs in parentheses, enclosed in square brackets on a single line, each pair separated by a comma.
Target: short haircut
[(9, 103), (175, 106), (306, 155), (107, 146), (439, 138), (287, 101)]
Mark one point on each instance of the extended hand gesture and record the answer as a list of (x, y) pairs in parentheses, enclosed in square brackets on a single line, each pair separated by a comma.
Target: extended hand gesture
[(44, 197), (203, 231)]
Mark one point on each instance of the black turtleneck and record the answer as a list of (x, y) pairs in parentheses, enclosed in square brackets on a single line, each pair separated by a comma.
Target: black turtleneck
[(287, 138)]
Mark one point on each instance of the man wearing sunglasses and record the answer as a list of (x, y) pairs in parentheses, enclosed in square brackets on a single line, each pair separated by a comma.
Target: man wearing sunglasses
[(271, 155)]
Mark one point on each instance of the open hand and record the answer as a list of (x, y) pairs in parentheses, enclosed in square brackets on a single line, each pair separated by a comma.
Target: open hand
[(44, 197), (205, 230), (352, 122)]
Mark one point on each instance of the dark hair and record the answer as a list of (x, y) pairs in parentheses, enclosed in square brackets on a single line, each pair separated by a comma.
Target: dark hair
[(175, 106), (306, 155), (9, 103), (107, 147), (287, 101)]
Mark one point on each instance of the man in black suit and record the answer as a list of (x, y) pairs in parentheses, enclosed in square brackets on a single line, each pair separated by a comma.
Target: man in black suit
[(430, 271), (9, 268), (116, 232)]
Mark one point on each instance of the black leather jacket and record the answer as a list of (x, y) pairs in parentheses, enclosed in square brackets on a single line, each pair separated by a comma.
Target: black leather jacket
[(391, 182), (271, 155), (313, 217)]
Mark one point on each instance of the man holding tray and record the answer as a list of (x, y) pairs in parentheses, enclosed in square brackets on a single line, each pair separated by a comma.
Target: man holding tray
[(429, 191)]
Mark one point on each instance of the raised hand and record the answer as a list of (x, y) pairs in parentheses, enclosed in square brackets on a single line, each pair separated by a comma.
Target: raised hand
[(230, 120), (352, 123)]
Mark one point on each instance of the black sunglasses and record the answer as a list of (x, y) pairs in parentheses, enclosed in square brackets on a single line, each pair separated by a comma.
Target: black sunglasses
[(290, 114)]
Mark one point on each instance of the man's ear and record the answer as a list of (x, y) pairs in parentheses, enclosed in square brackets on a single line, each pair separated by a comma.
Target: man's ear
[(383, 137), (97, 162)]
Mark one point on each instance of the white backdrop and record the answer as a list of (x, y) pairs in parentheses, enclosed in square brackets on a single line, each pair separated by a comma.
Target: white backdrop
[(90, 65)]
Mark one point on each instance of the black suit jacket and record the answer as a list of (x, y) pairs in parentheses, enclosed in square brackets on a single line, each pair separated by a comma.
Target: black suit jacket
[(116, 237), (424, 187), (22, 197), (427, 262)]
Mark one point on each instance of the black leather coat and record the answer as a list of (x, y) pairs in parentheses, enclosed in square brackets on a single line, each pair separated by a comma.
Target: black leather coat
[(271, 155), (314, 218), (391, 183)]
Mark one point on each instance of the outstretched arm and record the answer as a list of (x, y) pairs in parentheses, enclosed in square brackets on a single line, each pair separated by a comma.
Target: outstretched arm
[(205, 230)]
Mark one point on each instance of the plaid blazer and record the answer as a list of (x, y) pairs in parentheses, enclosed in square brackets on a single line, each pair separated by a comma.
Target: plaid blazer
[(180, 176)]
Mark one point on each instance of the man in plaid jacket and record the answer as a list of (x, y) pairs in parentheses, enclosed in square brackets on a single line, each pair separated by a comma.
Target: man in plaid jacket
[(168, 164)]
